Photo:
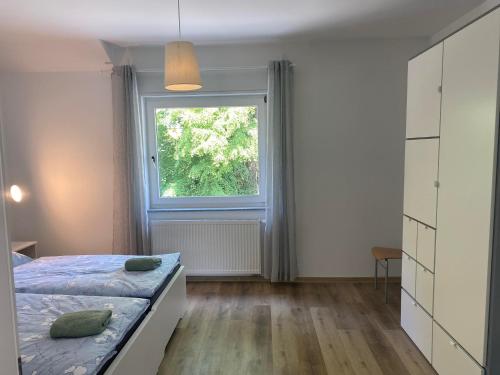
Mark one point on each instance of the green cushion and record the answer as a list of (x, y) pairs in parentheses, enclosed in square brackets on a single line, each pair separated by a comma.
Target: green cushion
[(142, 264), (80, 324)]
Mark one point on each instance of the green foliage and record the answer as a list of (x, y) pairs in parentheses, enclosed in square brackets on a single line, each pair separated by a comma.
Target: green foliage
[(207, 151)]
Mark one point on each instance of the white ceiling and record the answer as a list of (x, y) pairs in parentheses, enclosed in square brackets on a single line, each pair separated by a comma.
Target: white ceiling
[(28, 23)]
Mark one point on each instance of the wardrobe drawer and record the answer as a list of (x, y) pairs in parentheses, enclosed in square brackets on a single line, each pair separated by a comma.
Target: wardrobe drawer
[(450, 359), (410, 236), (426, 243), (424, 289), (408, 274), (417, 324)]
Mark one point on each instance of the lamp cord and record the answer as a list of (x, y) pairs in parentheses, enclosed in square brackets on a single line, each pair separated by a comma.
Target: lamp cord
[(179, 17)]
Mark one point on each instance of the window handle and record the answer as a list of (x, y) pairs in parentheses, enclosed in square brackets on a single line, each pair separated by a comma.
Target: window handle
[(154, 160)]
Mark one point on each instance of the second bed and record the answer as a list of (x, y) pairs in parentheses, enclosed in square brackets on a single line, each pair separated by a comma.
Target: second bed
[(93, 275)]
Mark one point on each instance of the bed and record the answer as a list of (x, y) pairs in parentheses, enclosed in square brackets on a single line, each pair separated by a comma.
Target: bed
[(42, 355), (81, 277), (94, 275)]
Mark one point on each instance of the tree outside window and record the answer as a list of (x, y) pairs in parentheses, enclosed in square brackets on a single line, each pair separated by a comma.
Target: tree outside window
[(207, 151)]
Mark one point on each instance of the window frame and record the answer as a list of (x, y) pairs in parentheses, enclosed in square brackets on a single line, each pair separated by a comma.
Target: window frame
[(150, 104)]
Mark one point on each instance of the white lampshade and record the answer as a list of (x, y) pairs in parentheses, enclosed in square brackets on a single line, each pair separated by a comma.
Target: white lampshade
[(182, 72)]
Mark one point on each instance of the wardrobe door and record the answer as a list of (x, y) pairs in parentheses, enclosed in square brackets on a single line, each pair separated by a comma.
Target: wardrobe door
[(423, 108), (448, 358), (421, 168), (424, 288), (426, 246), (410, 237), (466, 172), (408, 274), (417, 324)]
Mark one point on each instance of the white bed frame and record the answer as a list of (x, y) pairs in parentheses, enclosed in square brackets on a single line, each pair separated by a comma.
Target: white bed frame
[(145, 349)]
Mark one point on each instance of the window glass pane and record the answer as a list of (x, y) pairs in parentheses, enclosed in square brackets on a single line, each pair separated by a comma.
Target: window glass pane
[(207, 152)]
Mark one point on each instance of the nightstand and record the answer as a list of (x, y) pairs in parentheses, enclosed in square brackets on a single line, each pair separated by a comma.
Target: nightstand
[(27, 248)]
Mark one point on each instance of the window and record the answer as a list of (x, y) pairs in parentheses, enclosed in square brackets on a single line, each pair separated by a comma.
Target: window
[(206, 151)]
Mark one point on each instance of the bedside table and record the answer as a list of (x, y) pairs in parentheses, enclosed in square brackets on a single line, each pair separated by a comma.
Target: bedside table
[(27, 248)]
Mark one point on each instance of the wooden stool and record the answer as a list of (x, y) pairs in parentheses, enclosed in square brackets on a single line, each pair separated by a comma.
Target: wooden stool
[(384, 254)]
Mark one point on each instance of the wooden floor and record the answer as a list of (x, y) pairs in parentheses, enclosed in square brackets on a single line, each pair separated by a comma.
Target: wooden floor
[(259, 328)]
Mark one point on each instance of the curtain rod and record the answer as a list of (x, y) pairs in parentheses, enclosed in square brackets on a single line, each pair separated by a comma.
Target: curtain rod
[(209, 69)]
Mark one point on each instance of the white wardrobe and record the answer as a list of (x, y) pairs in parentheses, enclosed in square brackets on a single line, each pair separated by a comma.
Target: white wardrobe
[(449, 199)]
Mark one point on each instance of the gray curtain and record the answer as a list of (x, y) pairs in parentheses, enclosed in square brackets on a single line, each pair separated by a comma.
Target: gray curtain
[(130, 217), (280, 214)]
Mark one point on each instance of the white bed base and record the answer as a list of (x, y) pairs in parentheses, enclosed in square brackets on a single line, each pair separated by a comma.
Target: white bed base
[(145, 349)]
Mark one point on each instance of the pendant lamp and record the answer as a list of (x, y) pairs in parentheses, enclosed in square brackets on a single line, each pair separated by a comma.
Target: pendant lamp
[(182, 72)]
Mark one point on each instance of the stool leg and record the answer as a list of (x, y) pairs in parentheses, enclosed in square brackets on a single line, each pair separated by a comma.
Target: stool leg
[(386, 278), (376, 273)]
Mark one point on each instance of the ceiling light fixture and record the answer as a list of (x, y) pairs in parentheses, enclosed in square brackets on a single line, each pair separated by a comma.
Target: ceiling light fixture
[(182, 72)]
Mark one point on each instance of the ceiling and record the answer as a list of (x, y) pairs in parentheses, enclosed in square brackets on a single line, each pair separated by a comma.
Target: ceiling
[(46, 23)]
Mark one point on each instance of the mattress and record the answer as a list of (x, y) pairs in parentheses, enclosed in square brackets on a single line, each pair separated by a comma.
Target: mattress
[(42, 355), (93, 275)]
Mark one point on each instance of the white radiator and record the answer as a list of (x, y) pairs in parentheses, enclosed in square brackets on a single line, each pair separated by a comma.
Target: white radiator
[(211, 247)]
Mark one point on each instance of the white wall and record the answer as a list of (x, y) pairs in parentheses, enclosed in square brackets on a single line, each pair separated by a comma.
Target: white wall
[(8, 339), (349, 151), (350, 100), (59, 149), (464, 20)]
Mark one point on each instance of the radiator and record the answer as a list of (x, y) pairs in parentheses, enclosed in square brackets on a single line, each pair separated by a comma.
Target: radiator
[(211, 247)]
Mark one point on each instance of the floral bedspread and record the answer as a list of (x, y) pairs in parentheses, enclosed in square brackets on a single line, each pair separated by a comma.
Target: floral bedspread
[(42, 355), (91, 275)]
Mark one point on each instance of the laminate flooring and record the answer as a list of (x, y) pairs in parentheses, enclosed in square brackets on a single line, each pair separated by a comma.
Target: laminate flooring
[(310, 328)]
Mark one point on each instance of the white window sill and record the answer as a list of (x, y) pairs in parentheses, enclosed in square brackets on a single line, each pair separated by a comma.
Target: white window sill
[(206, 209)]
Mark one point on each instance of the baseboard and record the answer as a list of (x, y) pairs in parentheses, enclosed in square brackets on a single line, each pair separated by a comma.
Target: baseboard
[(230, 279), (299, 280), (365, 280)]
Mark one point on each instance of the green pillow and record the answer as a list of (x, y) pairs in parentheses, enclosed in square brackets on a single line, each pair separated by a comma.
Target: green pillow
[(80, 324), (142, 264)]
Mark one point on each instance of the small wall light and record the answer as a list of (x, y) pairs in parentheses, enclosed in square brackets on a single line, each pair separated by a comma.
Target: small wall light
[(16, 193)]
